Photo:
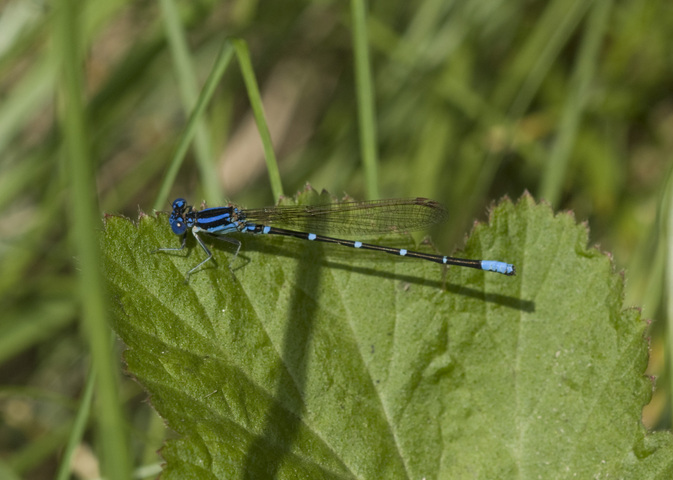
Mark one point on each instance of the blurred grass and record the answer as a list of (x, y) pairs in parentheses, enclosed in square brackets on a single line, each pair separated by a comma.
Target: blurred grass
[(82, 214), (473, 100)]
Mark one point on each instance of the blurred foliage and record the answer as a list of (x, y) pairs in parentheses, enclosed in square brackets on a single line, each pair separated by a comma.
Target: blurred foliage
[(475, 100)]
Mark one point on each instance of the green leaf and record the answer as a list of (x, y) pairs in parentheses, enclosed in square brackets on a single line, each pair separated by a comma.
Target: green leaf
[(318, 361)]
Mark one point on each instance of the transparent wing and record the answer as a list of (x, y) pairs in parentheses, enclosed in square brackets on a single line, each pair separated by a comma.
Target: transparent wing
[(371, 217)]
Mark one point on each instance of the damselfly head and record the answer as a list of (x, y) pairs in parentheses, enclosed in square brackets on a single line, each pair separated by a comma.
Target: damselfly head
[(177, 218)]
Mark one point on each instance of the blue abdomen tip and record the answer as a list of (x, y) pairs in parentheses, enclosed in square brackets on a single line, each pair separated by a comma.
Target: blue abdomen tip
[(499, 267)]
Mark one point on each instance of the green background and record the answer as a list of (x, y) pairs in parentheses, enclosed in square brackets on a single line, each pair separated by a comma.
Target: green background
[(570, 101)]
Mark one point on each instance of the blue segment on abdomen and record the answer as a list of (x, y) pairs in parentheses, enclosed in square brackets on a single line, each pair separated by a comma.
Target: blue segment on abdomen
[(495, 266)]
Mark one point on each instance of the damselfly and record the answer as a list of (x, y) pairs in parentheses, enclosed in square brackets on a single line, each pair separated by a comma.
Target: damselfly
[(310, 222)]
